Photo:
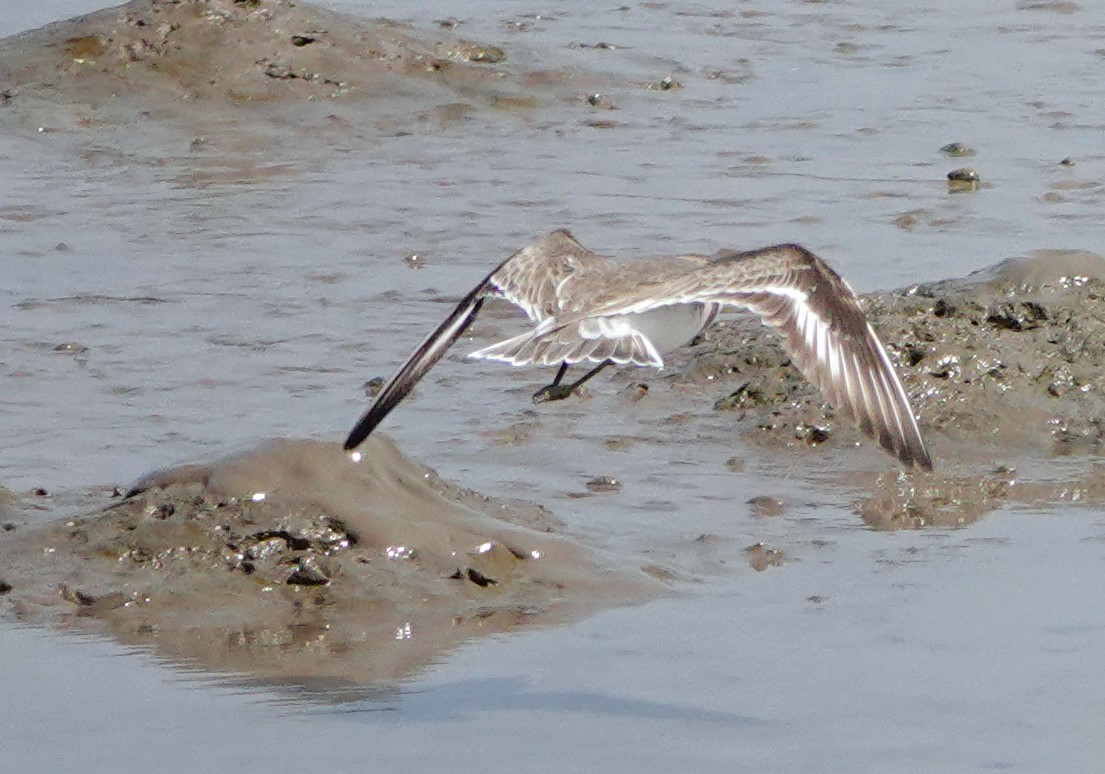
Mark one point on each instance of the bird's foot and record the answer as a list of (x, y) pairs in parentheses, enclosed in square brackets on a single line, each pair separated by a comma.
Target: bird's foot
[(553, 392)]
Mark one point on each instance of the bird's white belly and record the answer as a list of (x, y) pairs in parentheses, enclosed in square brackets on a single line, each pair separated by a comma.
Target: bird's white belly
[(667, 327)]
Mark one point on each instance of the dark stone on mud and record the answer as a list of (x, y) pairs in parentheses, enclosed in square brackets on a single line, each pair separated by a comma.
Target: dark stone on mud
[(762, 556), (963, 175), (735, 464), (5, 587), (479, 579), (964, 179), (308, 573), (812, 434), (1016, 316), (373, 386), (604, 484), (766, 505), (957, 149)]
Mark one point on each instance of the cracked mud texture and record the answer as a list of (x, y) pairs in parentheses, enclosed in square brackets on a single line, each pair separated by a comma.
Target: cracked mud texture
[(294, 565)]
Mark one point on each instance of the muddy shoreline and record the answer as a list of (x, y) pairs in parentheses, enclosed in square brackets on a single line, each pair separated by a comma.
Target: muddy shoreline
[(315, 566), (344, 576)]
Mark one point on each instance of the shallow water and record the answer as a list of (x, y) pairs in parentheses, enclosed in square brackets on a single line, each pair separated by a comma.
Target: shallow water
[(215, 302)]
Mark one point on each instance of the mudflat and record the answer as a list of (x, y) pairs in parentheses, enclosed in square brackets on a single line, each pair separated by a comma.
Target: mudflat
[(294, 564)]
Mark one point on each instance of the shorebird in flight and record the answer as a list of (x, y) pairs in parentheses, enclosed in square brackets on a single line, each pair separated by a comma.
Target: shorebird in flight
[(588, 309)]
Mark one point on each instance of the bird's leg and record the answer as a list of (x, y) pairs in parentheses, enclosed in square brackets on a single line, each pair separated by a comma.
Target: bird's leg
[(554, 391), (558, 391)]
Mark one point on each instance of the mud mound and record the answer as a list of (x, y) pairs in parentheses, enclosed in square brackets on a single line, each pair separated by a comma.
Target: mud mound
[(1004, 367), (1004, 362), (294, 565), (172, 58)]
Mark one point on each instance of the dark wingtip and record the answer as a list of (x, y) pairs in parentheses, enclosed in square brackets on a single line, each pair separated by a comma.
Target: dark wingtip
[(913, 456), (360, 431), (390, 397), (429, 352), (924, 462)]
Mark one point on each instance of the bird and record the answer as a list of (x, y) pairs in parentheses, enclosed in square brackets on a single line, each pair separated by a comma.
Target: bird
[(586, 308)]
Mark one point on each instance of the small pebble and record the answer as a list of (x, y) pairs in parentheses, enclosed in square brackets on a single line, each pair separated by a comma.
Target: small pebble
[(604, 484), (480, 579), (963, 179), (70, 348), (373, 386), (765, 505), (636, 391), (308, 573), (665, 84), (761, 556), (957, 149), (812, 434), (964, 174)]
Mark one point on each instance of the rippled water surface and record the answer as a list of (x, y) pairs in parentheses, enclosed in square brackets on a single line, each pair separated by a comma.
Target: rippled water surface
[(161, 303)]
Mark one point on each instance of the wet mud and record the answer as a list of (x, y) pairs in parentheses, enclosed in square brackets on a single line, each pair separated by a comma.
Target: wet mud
[(295, 565), (230, 80), (292, 564), (1003, 368), (173, 56)]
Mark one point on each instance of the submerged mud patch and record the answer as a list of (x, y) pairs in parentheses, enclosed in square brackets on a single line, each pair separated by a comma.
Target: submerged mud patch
[(293, 564)]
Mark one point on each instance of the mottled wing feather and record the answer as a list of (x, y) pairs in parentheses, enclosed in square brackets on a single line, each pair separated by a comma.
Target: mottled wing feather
[(595, 338), (566, 345), (822, 324), (531, 277)]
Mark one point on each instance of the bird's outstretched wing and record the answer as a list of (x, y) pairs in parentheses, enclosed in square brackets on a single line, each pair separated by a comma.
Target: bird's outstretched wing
[(531, 277), (824, 330), (528, 279)]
